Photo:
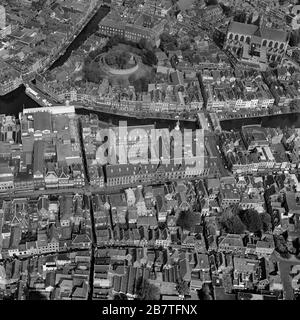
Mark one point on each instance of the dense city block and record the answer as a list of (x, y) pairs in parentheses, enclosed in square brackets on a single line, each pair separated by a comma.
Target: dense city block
[(119, 180)]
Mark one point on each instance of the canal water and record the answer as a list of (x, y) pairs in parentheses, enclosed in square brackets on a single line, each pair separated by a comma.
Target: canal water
[(274, 121), (13, 102), (159, 123)]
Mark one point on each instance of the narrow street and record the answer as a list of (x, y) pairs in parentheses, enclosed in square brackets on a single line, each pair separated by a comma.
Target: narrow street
[(285, 266)]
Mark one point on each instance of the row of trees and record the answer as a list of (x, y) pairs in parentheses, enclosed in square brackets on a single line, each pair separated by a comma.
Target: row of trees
[(118, 59), (143, 48), (238, 221), (254, 221)]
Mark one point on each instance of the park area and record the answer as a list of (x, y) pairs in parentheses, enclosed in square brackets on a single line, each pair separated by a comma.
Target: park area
[(123, 63), (120, 59)]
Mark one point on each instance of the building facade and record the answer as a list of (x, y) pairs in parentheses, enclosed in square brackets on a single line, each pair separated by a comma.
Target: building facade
[(256, 44)]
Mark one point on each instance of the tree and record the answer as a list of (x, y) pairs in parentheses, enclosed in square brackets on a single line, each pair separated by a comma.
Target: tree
[(120, 296), (233, 225), (266, 221), (147, 290), (226, 10), (205, 293), (231, 222), (137, 85), (290, 247), (110, 59), (113, 41), (257, 21), (281, 245), (122, 59), (34, 295), (297, 245), (140, 85), (144, 44), (92, 72), (184, 46), (149, 58), (294, 38), (183, 288), (152, 292), (251, 219), (249, 20), (273, 64), (211, 2), (168, 41), (240, 17), (186, 220)]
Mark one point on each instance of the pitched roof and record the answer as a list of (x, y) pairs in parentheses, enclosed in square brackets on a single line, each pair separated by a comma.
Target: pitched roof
[(147, 221), (50, 279), (274, 34), (42, 121), (242, 28), (81, 238), (38, 156), (233, 240), (263, 32)]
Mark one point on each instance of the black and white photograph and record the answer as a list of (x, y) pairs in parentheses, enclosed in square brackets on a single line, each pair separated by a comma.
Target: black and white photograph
[(149, 155)]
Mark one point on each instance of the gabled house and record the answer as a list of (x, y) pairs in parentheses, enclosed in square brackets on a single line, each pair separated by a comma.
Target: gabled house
[(184, 269), (81, 241), (64, 178), (51, 179), (66, 210), (171, 223)]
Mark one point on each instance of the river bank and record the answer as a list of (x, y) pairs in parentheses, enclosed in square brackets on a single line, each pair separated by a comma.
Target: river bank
[(273, 121)]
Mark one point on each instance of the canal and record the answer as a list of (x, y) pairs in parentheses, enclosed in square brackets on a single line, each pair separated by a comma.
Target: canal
[(13, 103), (274, 121), (89, 29), (159, 123)]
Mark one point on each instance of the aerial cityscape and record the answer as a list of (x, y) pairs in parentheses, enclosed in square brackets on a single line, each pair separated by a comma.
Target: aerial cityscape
[(150, 150)]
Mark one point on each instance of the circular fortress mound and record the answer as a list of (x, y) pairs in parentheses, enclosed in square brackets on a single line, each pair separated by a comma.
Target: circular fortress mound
[(119, 62)]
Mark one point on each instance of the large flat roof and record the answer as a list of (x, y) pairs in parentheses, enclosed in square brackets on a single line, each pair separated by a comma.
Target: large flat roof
[(53, 110)]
